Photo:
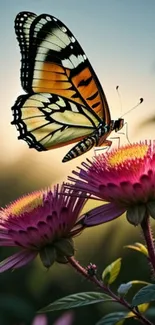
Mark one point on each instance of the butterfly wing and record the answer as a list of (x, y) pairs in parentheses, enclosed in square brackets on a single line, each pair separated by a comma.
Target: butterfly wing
[(57, 64), (23, 22), (48, 121), (65, 101)]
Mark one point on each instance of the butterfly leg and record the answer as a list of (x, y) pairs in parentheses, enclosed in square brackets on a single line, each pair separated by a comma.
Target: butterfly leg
[(126, 132), (106, 143), (118, 139)]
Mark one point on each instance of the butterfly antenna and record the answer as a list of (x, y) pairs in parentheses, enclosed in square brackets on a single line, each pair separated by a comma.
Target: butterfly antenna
[(119, 96), (140, 102)]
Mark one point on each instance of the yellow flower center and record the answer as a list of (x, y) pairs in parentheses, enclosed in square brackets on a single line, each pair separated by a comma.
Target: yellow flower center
[(120, 156), (25, 204)]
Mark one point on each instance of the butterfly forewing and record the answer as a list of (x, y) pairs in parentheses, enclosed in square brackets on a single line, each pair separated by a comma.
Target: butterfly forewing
[(60, 66)]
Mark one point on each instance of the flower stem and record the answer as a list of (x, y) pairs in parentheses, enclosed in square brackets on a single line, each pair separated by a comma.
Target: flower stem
[(149, 240), (80, 269)]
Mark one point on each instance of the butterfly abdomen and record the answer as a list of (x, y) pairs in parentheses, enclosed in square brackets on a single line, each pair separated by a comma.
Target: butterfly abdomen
[(82, 147), (89, 142)]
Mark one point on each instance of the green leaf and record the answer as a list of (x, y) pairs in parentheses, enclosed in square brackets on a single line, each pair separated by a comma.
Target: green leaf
[(139, 282), (77, 300), (138, 247), (150, 312), (144, 295), (143, 307), (118, 318), (121, 322), (111, 272), (125, 287)]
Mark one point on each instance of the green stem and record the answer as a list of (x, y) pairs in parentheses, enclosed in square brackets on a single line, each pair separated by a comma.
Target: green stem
[(149, 240), (80, 269)]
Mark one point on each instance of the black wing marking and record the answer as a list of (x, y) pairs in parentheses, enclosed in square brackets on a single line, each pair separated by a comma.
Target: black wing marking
[(23, 23)]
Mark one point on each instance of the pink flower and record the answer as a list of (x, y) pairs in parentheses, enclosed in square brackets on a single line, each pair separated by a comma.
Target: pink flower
[(65, 319), (43, 223), (125, 178), (40, 320)]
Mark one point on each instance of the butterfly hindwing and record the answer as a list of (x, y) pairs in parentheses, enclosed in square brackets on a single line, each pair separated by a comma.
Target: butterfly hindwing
[(48, 121)]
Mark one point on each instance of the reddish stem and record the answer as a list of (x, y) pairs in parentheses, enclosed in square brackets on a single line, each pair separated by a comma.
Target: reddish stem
[(149, 240), (80, 269)]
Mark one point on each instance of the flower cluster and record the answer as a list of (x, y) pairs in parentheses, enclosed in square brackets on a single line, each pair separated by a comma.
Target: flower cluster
[(46, 221)]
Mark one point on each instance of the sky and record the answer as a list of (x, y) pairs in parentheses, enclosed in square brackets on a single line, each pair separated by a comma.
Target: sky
[(119, 39)]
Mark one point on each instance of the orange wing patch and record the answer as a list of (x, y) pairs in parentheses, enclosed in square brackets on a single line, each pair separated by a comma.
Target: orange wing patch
[(86, 85), (52, 78), (55, 79)]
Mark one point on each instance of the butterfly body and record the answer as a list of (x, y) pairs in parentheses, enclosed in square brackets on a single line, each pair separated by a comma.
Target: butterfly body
[(96, 139), (65, 102)]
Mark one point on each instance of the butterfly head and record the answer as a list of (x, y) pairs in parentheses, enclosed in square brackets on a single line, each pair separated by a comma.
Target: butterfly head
[(118, 124)]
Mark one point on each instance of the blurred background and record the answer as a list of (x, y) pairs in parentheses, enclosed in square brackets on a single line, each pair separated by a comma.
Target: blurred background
[(119, 40)]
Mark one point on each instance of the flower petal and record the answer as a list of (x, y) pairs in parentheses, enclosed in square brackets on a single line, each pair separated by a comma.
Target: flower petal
[(40, 320), (65, 319), (26, 258), (7, 243), (102, 214), (17, 260), (5, 239)]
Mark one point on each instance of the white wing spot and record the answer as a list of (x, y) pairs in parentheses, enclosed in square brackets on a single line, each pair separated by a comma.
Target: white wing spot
[(54, 106), (76, 60), (48, 18), (47, 110), (74, 107), (37, 29), (73, 39), (73, 61), (39, 25), (43, 21), (55, 19), (67, 64), (60, 102), (64, 29)]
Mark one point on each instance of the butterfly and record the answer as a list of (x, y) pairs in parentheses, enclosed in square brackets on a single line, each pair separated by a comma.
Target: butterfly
[(64, 101)]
